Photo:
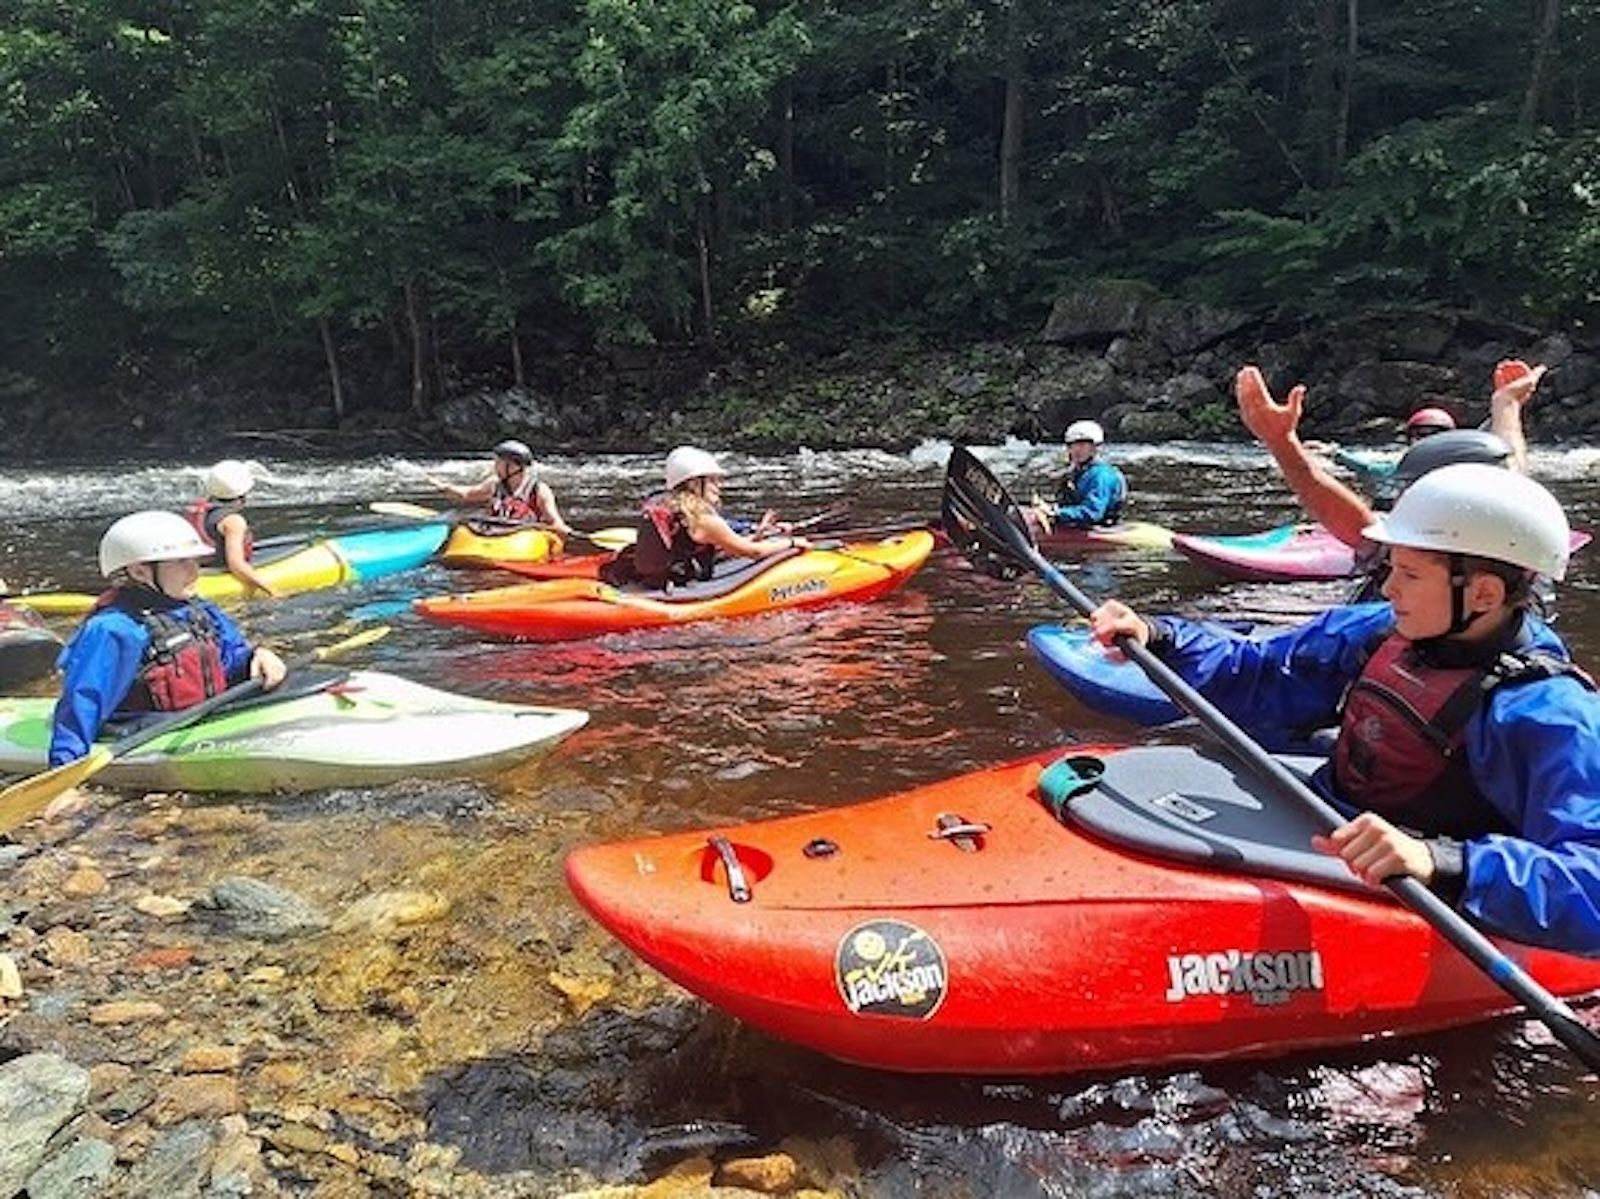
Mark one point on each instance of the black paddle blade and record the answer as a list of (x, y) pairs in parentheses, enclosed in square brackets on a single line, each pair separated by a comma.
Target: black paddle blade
[(981, 519)]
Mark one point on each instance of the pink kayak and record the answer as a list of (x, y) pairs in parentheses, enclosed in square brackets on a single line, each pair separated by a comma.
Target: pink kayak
[(1286, 554)]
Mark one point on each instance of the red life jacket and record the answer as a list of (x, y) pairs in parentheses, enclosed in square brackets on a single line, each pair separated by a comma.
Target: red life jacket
[(517, 503), (182, 661), (205, 515), (664, 552), (1402, 731)]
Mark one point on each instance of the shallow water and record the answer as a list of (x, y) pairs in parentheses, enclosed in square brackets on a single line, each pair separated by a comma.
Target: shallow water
[(789, 712)]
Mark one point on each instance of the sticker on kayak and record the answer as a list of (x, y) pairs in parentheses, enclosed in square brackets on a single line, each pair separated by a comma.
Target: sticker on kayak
[(890, 968), (789, 591), (1268, 978)]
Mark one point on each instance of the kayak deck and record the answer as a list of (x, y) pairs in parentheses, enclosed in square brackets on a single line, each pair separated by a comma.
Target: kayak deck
[(962, 927)]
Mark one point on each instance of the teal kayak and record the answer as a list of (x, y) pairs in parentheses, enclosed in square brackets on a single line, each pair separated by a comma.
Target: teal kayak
[(359, 729)]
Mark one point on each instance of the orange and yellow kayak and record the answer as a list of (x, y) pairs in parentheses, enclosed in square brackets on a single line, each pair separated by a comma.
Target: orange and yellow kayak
[(568, 609)]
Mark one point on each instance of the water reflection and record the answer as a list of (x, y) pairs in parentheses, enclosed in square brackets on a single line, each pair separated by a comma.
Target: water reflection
[(801, 710)]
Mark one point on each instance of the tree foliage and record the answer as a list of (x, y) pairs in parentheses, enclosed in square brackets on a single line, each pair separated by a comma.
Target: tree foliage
[(451, 188)]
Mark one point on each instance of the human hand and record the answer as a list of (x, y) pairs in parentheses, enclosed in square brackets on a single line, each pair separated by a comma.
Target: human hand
[(1375, 850), (1515, 382), (1272, 423), (267, 668), (1114, 619), (770, 524)]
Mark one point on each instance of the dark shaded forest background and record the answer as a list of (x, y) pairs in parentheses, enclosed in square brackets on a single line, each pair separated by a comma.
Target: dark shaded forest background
[(373, 205)]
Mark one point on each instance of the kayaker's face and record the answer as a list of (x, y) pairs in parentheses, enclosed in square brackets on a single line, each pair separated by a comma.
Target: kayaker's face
[(175, 580), (711, 489), (507, 468), (1418, 589), (1079, 452)]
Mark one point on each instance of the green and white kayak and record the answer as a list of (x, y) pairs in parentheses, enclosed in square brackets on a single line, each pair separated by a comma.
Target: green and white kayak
[(363, 728)]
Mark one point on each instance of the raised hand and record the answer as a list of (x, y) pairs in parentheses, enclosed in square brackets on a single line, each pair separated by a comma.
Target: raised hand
[(1273, 423), (1515, 382)]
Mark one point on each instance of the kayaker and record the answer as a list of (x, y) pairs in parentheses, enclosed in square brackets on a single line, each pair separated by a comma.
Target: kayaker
[(219, 518), (149, 645), (1467, 741), (512, 493), (1093, 491), (682, 530), (1420, 425), (1326, 499)]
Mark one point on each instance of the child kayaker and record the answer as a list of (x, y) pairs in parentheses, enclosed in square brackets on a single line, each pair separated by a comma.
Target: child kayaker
[(1335, 506), (1093, 491), (682, 530), (512, 493), (1467, 741), (219, 518), (149, 645)]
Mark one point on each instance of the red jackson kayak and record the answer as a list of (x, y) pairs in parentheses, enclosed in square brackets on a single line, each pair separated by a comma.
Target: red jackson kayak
[(1115, 908)]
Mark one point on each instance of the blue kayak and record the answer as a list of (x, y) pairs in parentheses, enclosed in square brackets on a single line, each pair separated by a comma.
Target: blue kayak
[(1102, 678)]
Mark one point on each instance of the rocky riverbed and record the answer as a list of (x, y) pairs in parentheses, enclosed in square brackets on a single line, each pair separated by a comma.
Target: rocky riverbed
[(185, 1010)]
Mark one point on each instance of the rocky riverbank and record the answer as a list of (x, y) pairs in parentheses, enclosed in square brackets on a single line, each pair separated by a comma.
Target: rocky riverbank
[(187, 1007), (1152, 369)]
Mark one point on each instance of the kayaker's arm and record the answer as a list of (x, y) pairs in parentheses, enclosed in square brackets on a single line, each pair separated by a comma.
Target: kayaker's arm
[(711, 529), (1326, 500), (239, 657), (1534, 751), (1514, 385), (467, 493), (234, 529), (99, 664), (1288, 680), (547, 505)]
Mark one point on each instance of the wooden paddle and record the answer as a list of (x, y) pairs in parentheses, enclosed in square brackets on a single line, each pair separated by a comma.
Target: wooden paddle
[(985, 522), (614, 538), (22, 799)]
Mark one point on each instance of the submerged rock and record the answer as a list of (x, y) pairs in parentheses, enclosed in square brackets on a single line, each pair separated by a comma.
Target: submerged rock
[(249, 907)]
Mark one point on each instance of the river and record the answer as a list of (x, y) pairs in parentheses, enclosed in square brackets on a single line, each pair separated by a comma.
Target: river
[(520, 1035)]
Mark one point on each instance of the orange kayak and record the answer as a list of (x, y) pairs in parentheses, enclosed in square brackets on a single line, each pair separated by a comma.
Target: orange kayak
[(567, 609), (1122, 908)]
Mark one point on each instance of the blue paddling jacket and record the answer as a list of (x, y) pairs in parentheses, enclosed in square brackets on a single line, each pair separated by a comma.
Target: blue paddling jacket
[(1532, 749), (101, 664), (1092, 494)]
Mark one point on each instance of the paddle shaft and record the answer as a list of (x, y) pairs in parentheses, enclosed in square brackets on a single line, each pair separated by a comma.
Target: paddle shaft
[(1560, 1019)]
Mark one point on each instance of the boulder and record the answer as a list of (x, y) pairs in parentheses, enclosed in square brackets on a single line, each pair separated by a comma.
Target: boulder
[(1097, 311), (39, 1094)]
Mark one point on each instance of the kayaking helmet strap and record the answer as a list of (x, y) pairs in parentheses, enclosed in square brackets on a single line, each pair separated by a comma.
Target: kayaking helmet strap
[(1460, 618)]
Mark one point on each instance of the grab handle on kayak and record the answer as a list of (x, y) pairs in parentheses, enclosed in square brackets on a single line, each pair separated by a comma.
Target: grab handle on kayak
[(966, 835), (738, 886)]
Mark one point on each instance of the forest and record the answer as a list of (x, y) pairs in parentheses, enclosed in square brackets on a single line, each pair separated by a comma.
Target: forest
[(387, 201)]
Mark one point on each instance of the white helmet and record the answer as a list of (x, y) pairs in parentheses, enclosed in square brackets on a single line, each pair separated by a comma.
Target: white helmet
[(149, 537), (229, 479), (1484, 511), (1084, 430), (686, 462)]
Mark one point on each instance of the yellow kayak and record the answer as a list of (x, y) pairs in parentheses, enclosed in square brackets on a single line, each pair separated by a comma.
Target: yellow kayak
[(472, 545), (329, 562)]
